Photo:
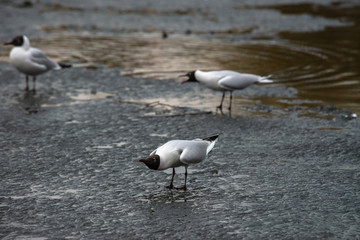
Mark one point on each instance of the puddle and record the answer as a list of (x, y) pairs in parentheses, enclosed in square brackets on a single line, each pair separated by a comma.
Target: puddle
[(319, 71), (320, 62), (120, 144), (88, 95), (104, 147), (80, 97), (159, 135)]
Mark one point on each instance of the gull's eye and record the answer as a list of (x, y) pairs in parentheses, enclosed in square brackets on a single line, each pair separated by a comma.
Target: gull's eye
[(154, 159)]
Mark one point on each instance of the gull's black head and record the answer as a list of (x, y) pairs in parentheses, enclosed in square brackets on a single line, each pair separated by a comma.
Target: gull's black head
[(152, 161), (191, 77), (17, 41)]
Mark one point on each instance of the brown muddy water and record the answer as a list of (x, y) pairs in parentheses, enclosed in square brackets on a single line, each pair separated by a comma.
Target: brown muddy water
[(320, 66)]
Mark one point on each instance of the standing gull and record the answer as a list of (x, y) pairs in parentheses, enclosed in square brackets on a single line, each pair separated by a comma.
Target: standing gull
[(178, 153), (224, 81), (31, 61)]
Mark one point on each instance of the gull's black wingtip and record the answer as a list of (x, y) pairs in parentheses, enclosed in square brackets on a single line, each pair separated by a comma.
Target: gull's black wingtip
[(65, 65), (212, 138)]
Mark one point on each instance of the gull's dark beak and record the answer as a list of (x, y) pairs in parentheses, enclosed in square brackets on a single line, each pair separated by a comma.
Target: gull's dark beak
[(184, 75), (191, 77), (8, 43), (142, 160)]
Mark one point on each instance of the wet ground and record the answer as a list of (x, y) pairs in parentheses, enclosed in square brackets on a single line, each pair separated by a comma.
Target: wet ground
[(286, 164)]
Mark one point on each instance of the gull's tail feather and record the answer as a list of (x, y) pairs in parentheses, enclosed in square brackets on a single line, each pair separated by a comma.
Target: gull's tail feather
[(212, 140), (265, 79)]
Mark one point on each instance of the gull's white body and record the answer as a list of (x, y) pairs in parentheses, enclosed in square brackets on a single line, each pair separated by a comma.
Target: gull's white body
[(228, 80), (178, 153), (224, 81), (31, 61)]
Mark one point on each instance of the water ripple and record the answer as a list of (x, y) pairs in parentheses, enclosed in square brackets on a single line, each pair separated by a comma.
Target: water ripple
[(320, 71)]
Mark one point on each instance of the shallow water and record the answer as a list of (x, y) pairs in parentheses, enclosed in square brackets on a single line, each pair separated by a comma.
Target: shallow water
[(321, 62)]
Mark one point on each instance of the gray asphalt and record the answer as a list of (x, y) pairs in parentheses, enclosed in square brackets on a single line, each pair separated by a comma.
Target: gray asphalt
[(69, 166), (69, 159)]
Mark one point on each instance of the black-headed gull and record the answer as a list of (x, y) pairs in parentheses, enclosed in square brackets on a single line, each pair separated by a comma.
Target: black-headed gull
[(31, 61), (224, 81), (178, 153)]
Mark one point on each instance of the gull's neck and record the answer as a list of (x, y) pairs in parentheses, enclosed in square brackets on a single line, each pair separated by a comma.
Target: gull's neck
[(26, 44)]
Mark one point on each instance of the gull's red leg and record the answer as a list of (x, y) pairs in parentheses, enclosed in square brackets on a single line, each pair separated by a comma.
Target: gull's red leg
[(171, 186)]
